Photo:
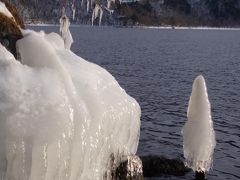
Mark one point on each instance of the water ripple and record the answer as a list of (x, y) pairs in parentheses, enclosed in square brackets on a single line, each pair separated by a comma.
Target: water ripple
[(157, 67)]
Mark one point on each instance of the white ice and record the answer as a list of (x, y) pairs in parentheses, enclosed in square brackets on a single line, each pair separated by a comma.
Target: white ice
[(65, 32), (62, 117), (198, 133)]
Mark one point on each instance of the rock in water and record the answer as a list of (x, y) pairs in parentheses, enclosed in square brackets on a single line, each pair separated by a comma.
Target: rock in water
[(14, 12), (198, 133)]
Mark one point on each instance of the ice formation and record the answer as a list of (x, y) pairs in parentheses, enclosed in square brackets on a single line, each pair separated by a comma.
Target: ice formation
[(97, 12), (109, 3), (73, 11), (64, 30), (61, 116), (89, 4), (198, 133)]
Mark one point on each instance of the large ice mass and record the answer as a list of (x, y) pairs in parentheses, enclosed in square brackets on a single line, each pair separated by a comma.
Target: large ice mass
[(198, 133), (61, 116)]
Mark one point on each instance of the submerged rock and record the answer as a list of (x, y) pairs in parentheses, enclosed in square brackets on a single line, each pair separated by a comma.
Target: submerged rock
[(131, 168)]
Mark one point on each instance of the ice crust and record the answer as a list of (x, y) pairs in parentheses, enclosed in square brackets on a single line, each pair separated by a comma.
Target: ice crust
[(62, 117), (198, 133)]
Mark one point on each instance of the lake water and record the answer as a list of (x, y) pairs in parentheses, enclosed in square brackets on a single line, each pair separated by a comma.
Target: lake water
[(157, 67)]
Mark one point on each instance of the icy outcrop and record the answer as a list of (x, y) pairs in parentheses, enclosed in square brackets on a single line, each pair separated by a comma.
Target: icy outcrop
[(97, 12), (61, 116), (198, 133), (65, 32)]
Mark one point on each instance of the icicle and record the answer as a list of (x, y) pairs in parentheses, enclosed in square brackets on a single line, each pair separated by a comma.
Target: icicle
[(89, 5), (97, 12), (73, 11), (64, 30)]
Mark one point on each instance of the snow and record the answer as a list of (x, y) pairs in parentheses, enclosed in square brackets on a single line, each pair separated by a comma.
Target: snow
[(62, 117), (198, 133), (65, 32), (4, 10)]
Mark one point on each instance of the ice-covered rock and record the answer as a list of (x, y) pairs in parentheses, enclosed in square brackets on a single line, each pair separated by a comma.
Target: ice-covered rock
[(198, 133), (131, 168), (61, 116), (10, 31), (5, 11)]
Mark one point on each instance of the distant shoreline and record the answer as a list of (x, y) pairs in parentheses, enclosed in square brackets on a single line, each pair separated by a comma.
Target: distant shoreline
[(188, 27), (150, 27)]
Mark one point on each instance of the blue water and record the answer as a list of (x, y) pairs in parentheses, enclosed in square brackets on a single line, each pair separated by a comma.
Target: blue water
[(157, 67)]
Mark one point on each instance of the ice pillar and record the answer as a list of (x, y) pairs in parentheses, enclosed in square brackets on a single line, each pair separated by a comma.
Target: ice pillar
[(198, 133)]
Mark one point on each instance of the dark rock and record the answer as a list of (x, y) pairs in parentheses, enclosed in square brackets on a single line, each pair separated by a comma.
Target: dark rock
[(200, 175), (154, 166)]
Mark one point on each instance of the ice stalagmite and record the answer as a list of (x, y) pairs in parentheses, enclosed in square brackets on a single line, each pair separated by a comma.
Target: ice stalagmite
[(198, 133)]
